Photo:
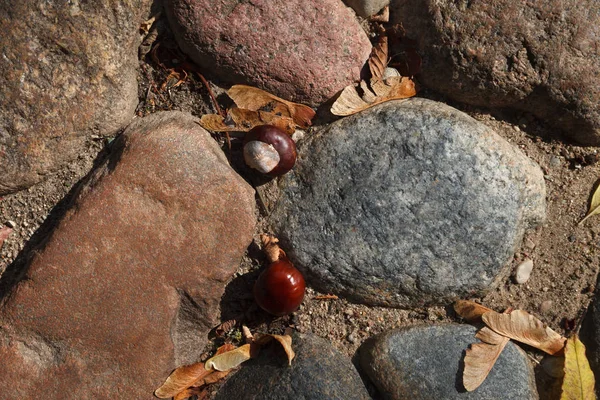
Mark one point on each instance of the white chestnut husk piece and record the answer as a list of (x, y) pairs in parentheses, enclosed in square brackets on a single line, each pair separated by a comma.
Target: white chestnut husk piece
[(269, 150)]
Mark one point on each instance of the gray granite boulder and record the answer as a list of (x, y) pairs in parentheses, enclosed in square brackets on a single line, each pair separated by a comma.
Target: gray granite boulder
[(538, 56), (366, 8), (318, 372), (426, 362), (407, 203), (304, 51), (67, 72), (128, 285)]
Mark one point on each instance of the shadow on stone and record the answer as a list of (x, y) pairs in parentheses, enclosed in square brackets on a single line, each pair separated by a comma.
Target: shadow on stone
[(18, 268)]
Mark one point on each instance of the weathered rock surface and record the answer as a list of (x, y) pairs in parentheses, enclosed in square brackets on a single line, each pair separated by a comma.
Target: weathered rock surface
[(536, 56), (366, 8), (67, 71), (407, 203), (318, 372), (128, 285), (304, 51), (426, 363)]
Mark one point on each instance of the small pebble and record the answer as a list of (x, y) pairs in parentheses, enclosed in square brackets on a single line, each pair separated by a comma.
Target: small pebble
[(571, 238), (516, 128), (546, 306), (523, 271), (351, 338), (11, 223)]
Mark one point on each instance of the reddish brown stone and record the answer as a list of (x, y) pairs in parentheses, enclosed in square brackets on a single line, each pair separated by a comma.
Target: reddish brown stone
[(130, 281), (304, 51), (67, 71), (538, 56)]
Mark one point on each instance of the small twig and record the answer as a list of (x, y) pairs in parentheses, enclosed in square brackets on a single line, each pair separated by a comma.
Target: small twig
[(326, 297), (211, 94)]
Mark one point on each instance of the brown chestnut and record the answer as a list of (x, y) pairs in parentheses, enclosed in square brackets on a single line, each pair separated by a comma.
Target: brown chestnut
[(279, 290), (269, 150)]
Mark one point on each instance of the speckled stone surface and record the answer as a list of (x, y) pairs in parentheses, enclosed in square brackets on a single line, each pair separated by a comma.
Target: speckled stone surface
[(128, 285), (303, 51), (426, 362), (67, 72), (407, 203), (366, 8), (318, 372), (538, 56)]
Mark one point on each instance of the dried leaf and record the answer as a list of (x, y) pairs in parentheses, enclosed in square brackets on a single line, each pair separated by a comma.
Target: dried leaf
[(180, 379), (239, 120), (211, 378), (225, 327), (378, 59), (271, 248), (393, 88), (225, 348), (525, 328), (230, 359), (481, 357), (469, 310), (187, 393), (5, 232), (579, 381), (594, 205), (284, 340), (255, 99)]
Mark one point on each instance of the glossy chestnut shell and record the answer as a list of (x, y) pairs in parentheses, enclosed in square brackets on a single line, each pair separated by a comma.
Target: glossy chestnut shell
[(281, 141), (279, 290)]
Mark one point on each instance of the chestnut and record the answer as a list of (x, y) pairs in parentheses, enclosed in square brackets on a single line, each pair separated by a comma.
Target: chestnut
[(269, 150), (279, 290)]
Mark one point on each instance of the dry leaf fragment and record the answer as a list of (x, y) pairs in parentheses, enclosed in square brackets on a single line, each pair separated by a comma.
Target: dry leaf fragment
[(211, 378), (229, 360), (271, 248), (5, 232), (189, 392), (181, 379), (525, 328), (239, 120), (255, 99), (393, 88), (469, 310), (284, 340), (378, 60), (594, 205), (481, 357), (579, 381)]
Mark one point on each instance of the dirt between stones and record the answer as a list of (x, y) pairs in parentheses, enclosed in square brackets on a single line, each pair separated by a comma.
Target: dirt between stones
[(565, 255)]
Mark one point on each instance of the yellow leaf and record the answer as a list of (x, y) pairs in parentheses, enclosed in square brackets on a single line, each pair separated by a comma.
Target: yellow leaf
[(181, 379), (469, 310), (578, 383), (255, 99), (525, 328), (481, 357), (379, 91), (229, 359), (594, 205)]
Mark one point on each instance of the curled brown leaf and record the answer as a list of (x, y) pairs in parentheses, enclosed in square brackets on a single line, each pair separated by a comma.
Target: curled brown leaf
[(181, 379), (229, 359), (523, 327), (255, 99), (469, 310), (481, 357)]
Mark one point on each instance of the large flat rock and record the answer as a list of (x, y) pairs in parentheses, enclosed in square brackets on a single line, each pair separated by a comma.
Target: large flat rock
[(67, 72), (426, 362), (304, 51), (538, 56), (128, 285), (407, 203)]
